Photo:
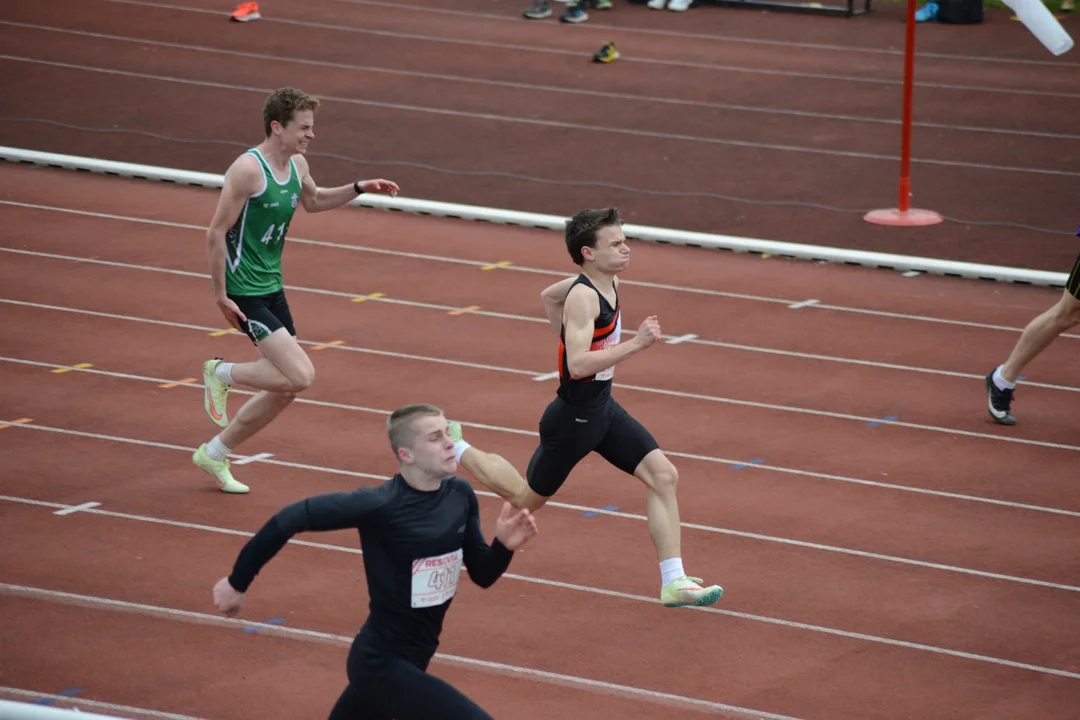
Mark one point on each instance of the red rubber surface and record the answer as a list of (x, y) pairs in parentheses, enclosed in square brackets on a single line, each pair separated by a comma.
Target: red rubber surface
[(808, 539), (858, 560), (709, 118)]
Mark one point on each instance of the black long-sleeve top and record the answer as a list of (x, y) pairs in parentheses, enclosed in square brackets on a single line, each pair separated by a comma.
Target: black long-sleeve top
[(414, 543)]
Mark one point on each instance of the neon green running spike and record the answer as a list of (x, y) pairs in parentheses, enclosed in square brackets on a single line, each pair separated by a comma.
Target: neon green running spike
[(219, 470), (684, 591)]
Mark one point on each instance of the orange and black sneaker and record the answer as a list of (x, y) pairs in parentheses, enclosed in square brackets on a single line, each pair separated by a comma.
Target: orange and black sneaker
[(606, 54), (245, 12)]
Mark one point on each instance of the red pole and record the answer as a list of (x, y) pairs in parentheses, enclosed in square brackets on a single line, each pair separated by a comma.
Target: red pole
[(905, 138), (902, 214)]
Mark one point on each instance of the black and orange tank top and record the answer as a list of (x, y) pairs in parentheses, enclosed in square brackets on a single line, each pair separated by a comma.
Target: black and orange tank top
[(594, 390)]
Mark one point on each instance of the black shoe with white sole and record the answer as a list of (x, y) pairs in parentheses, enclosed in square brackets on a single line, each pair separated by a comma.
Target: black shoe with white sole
[(999, 402)]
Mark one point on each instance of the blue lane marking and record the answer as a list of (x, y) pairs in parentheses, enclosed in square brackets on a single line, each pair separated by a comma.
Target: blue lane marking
[(593, 513), (70, 692), (889, 418), (271, 621), (755, 461)]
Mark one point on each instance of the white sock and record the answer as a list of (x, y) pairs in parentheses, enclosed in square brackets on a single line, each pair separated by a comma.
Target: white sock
[(670, 569), (216, 450), (223, 371), (459, 449), (1001, 382)]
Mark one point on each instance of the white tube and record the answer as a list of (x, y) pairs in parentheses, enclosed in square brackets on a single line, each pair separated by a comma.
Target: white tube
[(10, 710), (557, 223), (1042, 24)]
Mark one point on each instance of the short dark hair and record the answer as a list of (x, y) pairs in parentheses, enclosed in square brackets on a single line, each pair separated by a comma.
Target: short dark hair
[(283, 104), (399, 426), (581, 229)]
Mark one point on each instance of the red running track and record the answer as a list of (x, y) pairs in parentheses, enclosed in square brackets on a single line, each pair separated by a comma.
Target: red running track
[(889, 570), (769, 125)]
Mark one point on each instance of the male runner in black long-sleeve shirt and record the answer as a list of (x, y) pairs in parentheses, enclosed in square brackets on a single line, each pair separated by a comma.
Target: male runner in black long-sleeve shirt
[(416, 531)]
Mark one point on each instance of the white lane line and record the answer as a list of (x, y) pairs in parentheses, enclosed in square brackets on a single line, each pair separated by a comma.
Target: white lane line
[(711, 609), (689, 338), (683, 34), (77, 508), (491, 117), (539, 271), (531, 433), (558, 89), (630, 516), (251, 458), (533, 373), (804, 303), (352, 29), (304, 634)]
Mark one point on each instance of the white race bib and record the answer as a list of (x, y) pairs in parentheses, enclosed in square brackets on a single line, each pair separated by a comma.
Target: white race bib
[(435, 579), (610, 341)]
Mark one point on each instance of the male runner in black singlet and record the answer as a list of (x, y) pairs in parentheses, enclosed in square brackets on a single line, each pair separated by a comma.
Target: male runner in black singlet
[(1037, 336), (583, 417), (416, 531)]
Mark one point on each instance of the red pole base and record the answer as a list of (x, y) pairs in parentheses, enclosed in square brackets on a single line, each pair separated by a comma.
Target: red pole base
[(903, 218)]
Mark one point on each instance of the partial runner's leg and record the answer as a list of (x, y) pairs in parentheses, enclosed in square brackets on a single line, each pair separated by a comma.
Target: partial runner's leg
[(631, 448), (288, 370), (408, 693), (1037, 336)]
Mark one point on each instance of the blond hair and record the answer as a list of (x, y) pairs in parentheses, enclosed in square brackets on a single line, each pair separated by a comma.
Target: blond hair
[(399, 426)]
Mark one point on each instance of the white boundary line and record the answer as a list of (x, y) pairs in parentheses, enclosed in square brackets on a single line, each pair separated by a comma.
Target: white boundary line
[(654, 601), (532, 433), (308, 635), (689, 338), (557, 223), (639, 388), (581, 508), (14, 710)]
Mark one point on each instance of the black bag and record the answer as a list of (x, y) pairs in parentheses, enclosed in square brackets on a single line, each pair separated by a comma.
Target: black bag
[(960, 12)]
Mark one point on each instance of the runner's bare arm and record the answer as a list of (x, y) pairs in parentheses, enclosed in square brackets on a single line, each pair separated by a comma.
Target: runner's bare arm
[(582, 309), (243, 179), (553, 298), (316, 199)]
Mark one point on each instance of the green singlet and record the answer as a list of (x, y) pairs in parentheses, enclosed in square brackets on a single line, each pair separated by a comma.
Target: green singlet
[(254, 243)]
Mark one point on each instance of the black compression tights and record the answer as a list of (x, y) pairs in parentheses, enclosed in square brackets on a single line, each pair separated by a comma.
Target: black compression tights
[(383, 687)]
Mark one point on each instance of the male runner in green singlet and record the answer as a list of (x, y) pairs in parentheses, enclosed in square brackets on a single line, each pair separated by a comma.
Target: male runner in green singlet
[(247, 234)]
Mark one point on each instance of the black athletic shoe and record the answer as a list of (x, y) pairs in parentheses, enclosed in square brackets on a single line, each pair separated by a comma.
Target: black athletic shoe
[(998, 402)]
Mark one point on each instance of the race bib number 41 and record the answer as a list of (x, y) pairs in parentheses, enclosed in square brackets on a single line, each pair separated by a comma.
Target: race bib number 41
[(435, 579)]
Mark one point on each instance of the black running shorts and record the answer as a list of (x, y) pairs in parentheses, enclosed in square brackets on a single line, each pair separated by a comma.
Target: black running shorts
[(568, 434), (265, 314)]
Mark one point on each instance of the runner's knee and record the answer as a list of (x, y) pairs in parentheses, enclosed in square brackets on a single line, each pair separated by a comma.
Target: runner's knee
[(299, 374), (659, 474), (283, 399), (301, 378), (1067, 313)]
